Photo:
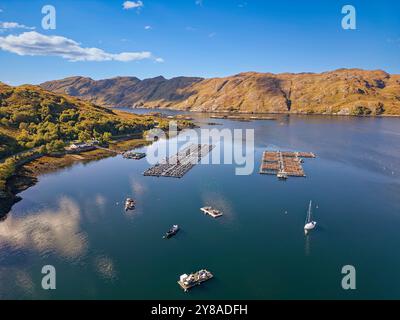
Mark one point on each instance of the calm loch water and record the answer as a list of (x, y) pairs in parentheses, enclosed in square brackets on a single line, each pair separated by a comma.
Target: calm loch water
[(74, 219)]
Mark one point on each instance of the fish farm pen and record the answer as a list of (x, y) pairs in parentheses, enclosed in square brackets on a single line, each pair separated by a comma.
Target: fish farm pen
[(284, 163), (179, 164)]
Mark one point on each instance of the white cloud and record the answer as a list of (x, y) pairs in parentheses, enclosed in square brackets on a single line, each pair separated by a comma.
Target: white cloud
[(132, 5), (159, 60), (14, 25), (148, 27), (36, 44)]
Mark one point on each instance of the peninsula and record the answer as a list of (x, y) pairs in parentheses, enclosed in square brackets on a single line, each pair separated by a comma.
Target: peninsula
[(38, 126)]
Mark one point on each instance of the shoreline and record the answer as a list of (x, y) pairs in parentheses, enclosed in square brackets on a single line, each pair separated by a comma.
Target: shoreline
[(264, 113), (28, 175)]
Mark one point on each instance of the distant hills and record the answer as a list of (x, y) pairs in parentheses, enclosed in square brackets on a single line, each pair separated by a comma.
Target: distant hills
[(342, 92)]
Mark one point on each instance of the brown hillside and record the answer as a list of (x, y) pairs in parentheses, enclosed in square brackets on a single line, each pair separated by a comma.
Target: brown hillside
[(343, 91)]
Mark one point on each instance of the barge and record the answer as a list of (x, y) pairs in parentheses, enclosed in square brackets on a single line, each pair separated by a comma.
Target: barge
[(134, 155), (194, 279), (212, 212)]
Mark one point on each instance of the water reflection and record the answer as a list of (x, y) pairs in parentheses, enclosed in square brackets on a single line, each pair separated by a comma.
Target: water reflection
[(18, 279), (100, 201), (138, 188), (307, 248), (50, 230)]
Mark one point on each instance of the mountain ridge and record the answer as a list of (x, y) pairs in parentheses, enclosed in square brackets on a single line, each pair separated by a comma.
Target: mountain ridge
[(341, 92)]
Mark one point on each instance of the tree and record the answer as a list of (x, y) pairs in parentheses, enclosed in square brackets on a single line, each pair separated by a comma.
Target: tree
[(84, 136), (107, 136), (55, 146), (23, 126), (7, 169), (43, 149)]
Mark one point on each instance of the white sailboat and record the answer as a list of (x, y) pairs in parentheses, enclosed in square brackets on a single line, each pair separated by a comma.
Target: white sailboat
[(309, 224)]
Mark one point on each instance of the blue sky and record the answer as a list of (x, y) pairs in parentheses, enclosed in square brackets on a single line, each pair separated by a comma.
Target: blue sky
[(205, 38)]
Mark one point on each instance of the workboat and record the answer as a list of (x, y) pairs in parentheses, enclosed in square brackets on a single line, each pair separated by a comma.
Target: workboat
[(309, 224), (194, 279), (171, 232), (129, 204)]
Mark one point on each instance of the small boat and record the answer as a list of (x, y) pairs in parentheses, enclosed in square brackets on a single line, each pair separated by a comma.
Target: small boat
[(282, 175), (130, 204), (309, 224), (171, 232)]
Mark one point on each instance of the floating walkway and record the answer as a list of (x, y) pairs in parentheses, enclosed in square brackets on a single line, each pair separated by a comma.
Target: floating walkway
[(284, 163), (179, 164)]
